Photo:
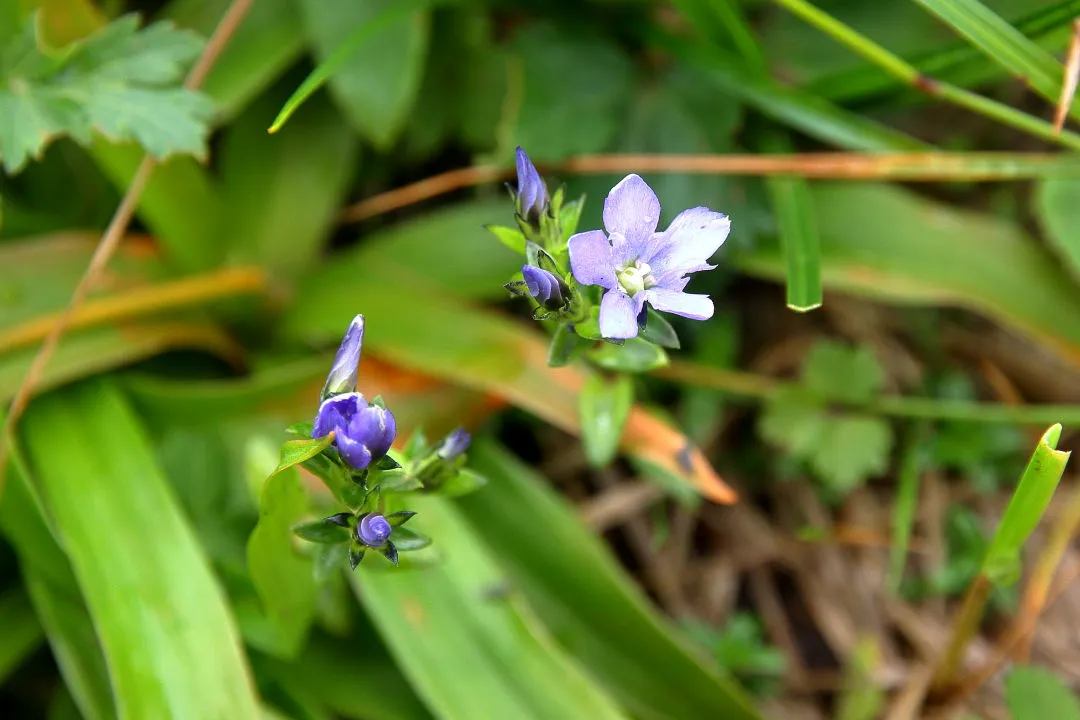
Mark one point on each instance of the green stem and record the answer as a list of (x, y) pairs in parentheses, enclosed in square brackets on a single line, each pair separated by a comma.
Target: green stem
[(910, 75), (760, 387)]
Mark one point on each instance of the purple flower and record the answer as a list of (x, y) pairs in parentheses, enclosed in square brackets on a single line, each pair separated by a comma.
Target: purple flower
[(636, 264), (363, 432), (373, 530), (454, 444), (343, 374), (532, 197), (546, 287)]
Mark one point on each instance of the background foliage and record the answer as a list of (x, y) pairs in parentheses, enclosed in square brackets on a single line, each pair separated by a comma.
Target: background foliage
[(885, 557)]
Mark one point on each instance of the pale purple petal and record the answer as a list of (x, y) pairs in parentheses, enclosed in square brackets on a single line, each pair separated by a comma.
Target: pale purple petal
[(695, 307), (691, 239), (618, 315), (631, 210), (590, 259)]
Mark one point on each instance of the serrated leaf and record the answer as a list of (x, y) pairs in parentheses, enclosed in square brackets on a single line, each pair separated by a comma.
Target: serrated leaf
[(121, 82), (1035, 693), (837, 371), (792, 419), (850, 449)]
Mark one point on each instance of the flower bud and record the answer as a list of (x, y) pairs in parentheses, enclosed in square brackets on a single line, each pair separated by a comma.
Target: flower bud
[(546, 287), (373, 530), (532, 196), (344, 373), (363, 432), (454, 445)]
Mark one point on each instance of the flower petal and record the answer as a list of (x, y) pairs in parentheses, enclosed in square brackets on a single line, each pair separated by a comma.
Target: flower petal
[(695, 307), (691, 239), (355, 453), (631, 210), (618, 318), (590, 259), (336, 412)]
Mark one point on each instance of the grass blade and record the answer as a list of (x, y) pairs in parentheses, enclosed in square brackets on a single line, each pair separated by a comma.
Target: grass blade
[(1001, 43), (595, 611), (339, 57), (172, 648), (794, 207), (466, 652)]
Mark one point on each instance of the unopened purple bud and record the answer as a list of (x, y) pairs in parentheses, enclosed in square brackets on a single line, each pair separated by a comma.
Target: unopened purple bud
[(373, 530), (546, 287), (344, 373), (532, 194), (363, 432), (454, 444)]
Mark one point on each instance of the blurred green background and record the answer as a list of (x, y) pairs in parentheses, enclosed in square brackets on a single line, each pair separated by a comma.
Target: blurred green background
[(873, 442)]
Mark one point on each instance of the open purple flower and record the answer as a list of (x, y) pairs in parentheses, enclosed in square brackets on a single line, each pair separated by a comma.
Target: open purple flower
[(532, 196), (363, 432), (637, 265), (345, 371)]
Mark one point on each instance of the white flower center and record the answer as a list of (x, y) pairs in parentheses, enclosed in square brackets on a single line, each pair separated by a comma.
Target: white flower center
[(635, 277)]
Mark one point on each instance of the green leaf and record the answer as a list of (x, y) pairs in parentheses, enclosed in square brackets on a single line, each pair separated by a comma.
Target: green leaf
[(466, 481), (281, 577), (406, 539), (794, 208), (595, 611), (604, 404), (510, 237), (294, 452), (263, 46), (1057, 204), (573, 91), (385, 44), (918, 246), (1036, 693), (120, 82), (1025, 509), (659, 331), (793, 419), (1001, 43), (565, 345), (851, 449), (840, 372), (172, 648), (320, 531), (636, 355), (22, 631), (464, 655), (284, 191)]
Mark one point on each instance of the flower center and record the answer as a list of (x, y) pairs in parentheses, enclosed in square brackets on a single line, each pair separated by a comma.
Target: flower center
[(635, 277)]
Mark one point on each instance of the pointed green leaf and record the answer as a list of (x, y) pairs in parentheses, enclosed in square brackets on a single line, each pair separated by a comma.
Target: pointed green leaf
[(320, 531)]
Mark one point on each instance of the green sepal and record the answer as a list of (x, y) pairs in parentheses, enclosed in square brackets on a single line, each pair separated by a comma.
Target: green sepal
[(565, 345), (399, 518), (517, 288), (378, 402), (390, 552), (387, 463), (406, 539), (658, 330), (322, 532), (356, 554)]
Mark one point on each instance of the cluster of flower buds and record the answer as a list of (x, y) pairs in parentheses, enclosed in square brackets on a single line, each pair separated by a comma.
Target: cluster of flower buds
[(607, 285), (350, 447)]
